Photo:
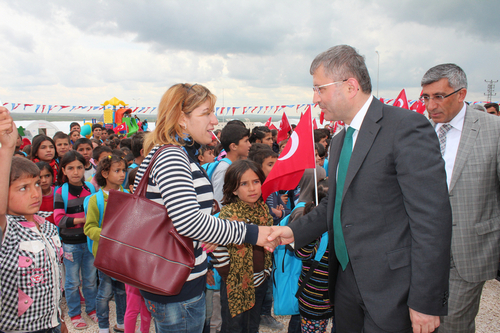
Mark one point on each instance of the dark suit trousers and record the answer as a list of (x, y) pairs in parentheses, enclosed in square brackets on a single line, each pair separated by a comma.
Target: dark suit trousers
[(351, 315)]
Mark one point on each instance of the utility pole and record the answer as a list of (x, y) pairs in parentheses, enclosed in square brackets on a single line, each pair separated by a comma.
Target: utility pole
[(378, 68), (490, 89)]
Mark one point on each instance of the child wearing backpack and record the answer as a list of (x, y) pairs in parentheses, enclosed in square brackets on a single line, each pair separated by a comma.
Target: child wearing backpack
[(307, 194), (110, 175), (245, 277), (30, 249), (69, 216), (314, 303)]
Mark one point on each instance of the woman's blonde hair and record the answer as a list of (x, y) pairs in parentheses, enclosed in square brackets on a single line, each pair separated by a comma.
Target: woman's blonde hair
[(178, 99)]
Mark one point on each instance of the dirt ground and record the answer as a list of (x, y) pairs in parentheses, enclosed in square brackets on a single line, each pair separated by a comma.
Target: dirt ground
[(487, 321)]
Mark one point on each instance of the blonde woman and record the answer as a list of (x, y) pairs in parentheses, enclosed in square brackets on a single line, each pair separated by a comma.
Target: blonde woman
[(186, 119)]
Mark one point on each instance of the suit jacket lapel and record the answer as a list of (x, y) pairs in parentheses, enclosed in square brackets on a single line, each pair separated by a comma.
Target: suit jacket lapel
[(364, 141), (470, 131)]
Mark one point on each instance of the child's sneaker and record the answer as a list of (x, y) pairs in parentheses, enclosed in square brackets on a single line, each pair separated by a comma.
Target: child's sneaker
[(78, 322), (93, 316)]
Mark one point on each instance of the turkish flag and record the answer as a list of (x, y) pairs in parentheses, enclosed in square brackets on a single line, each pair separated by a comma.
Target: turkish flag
[(121, 127), (297, 156), (321, 117), (401, 100), (284, 128), (268, 122), (272, 127), (315, 124)]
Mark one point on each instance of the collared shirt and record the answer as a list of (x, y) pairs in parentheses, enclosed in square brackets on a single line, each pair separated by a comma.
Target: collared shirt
[(357, 121), (452, 142)]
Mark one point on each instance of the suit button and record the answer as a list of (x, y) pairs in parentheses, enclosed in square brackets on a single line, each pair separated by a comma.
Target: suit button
[(27, 260), (25, 302)]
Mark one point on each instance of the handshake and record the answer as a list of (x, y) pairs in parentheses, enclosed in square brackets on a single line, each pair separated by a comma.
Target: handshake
[(270, 237)]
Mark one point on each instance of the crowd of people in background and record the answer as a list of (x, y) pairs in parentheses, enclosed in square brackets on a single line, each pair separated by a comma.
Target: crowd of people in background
[(54, 193)]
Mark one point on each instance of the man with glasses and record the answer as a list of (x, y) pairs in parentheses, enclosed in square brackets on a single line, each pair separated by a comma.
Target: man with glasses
[(469, 142), (387, 212)]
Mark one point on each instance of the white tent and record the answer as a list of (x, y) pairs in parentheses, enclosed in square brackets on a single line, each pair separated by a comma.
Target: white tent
[(40, 127)]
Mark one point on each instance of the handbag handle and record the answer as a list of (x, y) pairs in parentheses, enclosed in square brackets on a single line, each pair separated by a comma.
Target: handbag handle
[(143, 183)]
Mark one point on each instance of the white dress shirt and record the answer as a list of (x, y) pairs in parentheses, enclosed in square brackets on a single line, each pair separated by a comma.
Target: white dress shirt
[(452, 142), (357, 121)]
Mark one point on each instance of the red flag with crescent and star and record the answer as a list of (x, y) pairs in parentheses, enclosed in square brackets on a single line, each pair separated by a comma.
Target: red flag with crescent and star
[(401, 100), (297, 156)]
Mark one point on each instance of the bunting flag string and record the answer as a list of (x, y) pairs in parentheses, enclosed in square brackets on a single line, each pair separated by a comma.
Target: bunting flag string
[(293, 109)]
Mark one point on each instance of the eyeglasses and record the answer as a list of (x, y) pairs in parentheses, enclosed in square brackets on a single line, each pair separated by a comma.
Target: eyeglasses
[(317, 90), (438, 98)]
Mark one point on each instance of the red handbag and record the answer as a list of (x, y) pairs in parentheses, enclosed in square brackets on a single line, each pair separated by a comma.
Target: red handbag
[(139, 244)]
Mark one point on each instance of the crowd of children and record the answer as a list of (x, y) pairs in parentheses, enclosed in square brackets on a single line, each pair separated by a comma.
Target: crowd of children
[(57, 194)]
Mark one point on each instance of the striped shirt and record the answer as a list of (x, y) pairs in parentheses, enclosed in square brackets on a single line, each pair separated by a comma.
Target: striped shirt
[(179, 183), (314, 302), (70, 232)]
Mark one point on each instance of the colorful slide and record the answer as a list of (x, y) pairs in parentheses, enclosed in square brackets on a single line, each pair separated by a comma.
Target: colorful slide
[(132, 125)]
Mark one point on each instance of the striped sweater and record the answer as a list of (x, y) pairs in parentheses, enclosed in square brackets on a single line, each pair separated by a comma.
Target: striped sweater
[(69, 232), (179, 183)]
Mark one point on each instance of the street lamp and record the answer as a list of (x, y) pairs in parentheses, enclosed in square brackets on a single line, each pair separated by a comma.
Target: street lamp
[(378, 68), (135, 99)]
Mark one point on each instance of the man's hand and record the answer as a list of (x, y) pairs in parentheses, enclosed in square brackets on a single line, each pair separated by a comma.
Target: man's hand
[(280, 236), (263, 240), (423, 323)]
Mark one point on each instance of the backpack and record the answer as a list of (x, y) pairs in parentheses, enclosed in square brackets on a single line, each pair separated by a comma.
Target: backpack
[(64, 195), (286, 273), (210, 167), (65, 192), (100, 206)]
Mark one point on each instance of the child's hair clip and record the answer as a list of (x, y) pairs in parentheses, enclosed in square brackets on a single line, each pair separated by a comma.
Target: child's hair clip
[(110, 157)]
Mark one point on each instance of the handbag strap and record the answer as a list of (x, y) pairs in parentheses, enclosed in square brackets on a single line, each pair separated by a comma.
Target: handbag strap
[(143, 183)]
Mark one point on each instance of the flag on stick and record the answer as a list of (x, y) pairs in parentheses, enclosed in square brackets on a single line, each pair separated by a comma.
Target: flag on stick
[(401, 100), (284, 128), (297, 156)]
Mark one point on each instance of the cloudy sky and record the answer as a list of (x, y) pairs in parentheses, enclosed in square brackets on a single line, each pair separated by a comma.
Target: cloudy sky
[(83, 52)]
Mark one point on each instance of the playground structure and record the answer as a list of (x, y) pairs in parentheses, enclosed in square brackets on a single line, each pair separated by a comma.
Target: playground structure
[(117, 118)]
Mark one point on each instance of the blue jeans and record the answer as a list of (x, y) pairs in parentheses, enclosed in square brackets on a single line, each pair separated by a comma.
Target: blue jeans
[(77, 258), (105, 291), (187, 316)]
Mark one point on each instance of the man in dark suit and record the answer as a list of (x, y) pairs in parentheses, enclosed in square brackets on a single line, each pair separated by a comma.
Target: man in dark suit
[(387, 212)]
